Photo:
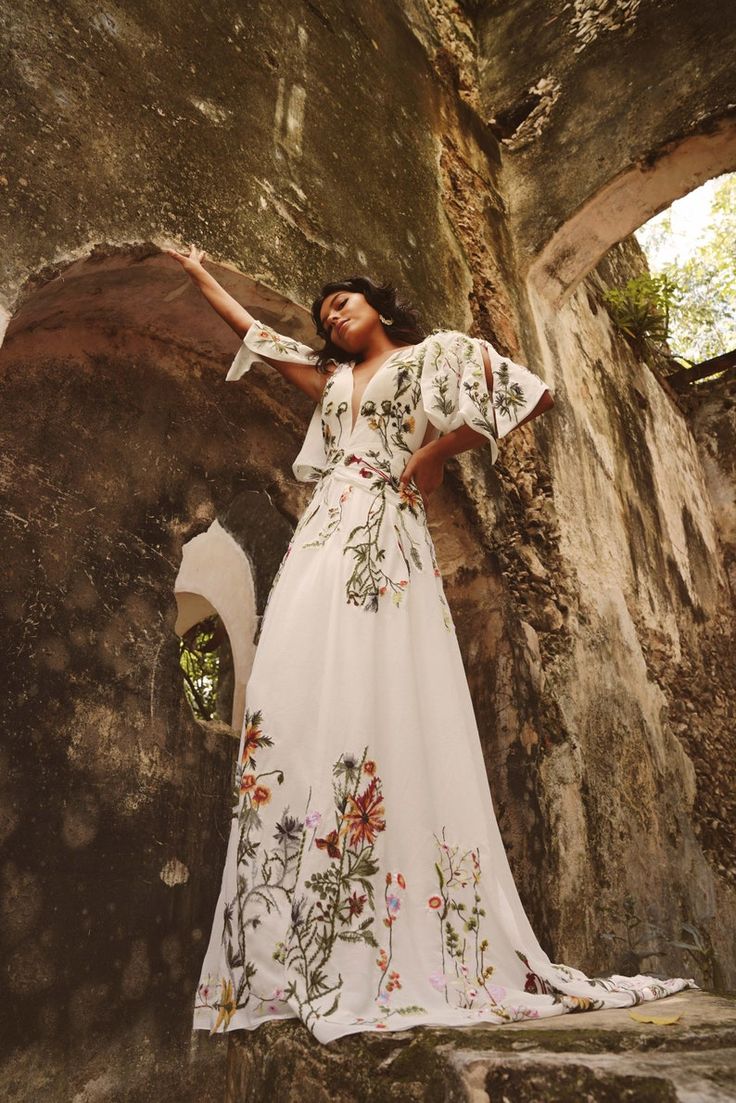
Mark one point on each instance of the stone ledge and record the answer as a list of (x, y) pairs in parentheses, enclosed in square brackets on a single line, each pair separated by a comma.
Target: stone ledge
[(595, 1057)]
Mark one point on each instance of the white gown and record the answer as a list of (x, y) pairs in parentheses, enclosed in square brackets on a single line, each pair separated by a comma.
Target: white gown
[(366, 886)]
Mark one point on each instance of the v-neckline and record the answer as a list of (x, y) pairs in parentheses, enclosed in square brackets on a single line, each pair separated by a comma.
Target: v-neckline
[(351, 365)]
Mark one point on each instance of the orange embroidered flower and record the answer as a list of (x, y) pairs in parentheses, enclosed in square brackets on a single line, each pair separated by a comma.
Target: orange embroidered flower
[(250, 743), (435, 902), (330, 844), (247, 782), (400, 879), (365, 817), (388, 878), (409, 495), (369, 766), (261, 795)]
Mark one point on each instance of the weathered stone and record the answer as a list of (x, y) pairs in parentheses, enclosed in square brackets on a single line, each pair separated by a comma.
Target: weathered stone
[(603, 1057)]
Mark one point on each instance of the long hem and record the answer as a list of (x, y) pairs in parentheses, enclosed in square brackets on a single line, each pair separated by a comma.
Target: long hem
[(536, 1006)]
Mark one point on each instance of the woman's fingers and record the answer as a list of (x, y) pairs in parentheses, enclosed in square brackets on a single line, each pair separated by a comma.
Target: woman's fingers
[(194, 256)]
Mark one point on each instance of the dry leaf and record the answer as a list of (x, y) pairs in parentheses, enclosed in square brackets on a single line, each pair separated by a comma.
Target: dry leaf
[(658, 1020)]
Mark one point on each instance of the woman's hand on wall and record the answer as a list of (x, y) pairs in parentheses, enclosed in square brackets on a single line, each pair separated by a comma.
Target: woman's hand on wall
[(229, 309), (191, 261)]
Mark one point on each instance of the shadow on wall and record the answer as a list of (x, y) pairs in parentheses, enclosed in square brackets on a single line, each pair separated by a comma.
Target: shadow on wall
[(123, 446)]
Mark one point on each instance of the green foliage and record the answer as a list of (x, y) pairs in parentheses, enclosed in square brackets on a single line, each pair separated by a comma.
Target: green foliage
[(703, 323), (199, 660), (642, 311)]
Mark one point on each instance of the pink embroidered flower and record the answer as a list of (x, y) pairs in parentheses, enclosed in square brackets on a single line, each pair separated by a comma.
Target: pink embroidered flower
[(401, 881), (435, 902), (312, 819), (438, 981), (393, 904)]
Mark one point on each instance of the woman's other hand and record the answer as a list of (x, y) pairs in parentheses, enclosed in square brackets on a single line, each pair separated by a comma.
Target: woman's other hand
[(191, 262), (427, 468)]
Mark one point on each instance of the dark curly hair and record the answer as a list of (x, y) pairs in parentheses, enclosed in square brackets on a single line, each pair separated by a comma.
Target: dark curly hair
[(384, 298)]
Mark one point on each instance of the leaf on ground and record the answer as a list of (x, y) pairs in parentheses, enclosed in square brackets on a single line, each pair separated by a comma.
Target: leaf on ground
[(658, 1020)]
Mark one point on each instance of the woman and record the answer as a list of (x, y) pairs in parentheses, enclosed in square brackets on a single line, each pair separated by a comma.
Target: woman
[(366, 886)]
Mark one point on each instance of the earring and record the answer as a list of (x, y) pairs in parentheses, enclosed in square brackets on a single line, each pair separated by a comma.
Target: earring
[(386, 321)]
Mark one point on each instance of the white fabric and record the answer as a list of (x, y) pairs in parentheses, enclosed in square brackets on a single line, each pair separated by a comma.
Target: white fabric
[(366, 885)]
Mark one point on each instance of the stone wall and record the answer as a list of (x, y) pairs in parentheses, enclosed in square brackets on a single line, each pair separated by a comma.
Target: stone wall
[(584, 571)]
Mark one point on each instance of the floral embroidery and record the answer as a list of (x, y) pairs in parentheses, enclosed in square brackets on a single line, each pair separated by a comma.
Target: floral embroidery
[(465, 972), (265, 877), (391, 418), (508, 396), (453, 366), (269, 339), (332, 908), (460, 923)]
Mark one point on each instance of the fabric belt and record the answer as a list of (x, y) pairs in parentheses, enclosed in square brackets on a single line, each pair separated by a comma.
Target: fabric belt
[(385, 489)]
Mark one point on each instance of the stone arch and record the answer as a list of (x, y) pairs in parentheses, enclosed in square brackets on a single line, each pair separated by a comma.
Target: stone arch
[(121, 445), (135, 286), (215, 577), (627, 201)]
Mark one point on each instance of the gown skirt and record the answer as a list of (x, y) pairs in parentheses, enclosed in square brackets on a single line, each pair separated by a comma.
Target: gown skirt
[(366, 885)]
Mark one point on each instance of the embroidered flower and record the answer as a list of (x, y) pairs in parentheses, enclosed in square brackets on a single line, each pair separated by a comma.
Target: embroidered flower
[(438, 981), (435, 902), (247, 782), (312, 819), (410, 496), (330, 844), (365, 818), (251, 743), (355, 904), (288, 829), (227, 1006), (393, 904), (261, 795), (369, 767), (401, 881)]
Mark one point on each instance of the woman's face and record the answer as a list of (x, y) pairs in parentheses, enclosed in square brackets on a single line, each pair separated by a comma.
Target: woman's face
[(348, 319)]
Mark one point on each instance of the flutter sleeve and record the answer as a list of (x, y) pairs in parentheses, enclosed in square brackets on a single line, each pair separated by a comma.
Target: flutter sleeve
[(260, 341), (455, 391)]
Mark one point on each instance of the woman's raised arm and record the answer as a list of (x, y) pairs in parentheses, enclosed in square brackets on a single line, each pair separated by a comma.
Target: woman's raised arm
[(301, 374)]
